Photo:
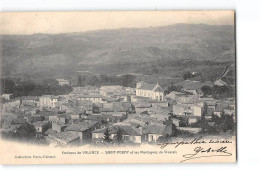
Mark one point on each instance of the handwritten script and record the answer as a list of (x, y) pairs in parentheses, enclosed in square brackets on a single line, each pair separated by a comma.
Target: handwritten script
[(200, 151)]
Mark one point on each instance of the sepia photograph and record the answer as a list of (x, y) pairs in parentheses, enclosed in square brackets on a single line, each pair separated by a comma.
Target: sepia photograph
[(103, 86)]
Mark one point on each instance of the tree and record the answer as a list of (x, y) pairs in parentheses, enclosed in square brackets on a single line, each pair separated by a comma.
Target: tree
[(95, 108), (207, 90), (79, 81), (128, 80), (119, 136), (107, 136), (171, 129), (171, 88), (187, 75), (26, 131), (227, 122), (204, 125), (224, 123), (30, 88), (94, 81), (174, 130), (219, 92)]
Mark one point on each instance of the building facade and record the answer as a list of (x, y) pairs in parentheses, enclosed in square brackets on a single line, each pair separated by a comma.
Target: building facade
[(152, 91), (63, 82), (48, 101)]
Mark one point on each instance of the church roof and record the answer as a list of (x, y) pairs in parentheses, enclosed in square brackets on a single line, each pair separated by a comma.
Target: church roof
[(158, 89), (146, 86)]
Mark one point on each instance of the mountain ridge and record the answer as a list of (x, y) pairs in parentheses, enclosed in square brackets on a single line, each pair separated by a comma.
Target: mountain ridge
[(61, 54)]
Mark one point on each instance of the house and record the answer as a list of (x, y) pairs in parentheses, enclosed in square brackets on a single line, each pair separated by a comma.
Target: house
[(209, 102), (7, 107), (7, 96), (58, 126), (34, 118), (63, 82), (158, 104), (153, 132), (197, 110), (74, 115), (62, 118), (180, 109), (192, 120), (108, 99), (63, 138), (142, 106), (29, 101), (189, 119), (117, 107), (187, 99), (209, 113), (129, 133), (176, 122), (219, 108), (173, 95), (106, 118), (232, 104), (188, 105), (53, 118), (48, 114), (123, 107), (63, 99), (189, 129), (83, 130), (121, 95), (64, 106), (108, 106), (136, 122), (217, 113), (92, 98), (193, 87), (108, 91), (49, 131), (160, 116), (87, 90), (33, 111), (41, 126), (55, 101), (123, 98), (138, 99), (98, 134), (49, 101), (229, 111), (80, 129), (152, 91)]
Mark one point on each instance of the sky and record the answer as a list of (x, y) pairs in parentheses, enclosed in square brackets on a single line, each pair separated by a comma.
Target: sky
[(25, 23)]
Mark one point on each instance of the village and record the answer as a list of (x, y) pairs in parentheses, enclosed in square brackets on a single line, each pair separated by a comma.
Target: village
[(116, 114)]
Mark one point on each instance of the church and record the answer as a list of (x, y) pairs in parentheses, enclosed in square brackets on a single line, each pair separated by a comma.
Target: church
[(152, 91)]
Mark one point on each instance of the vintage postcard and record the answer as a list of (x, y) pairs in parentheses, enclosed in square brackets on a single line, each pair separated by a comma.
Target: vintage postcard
[(118, 87)]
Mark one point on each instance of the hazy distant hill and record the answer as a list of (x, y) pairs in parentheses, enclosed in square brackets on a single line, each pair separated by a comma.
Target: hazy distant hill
[(114, 51)]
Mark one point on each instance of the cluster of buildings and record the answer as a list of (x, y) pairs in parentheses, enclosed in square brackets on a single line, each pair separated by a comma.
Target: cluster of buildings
[(87, 113), (63, 82)]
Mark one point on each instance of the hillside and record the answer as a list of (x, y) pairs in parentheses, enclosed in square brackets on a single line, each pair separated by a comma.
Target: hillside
[(119, 51)]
